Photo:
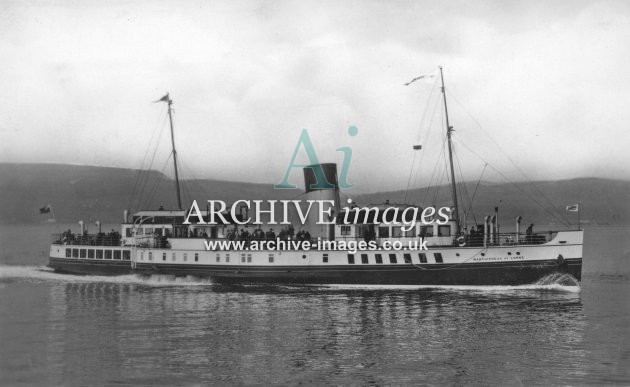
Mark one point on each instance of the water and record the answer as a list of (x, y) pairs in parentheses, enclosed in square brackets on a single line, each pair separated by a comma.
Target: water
[(61, 329)]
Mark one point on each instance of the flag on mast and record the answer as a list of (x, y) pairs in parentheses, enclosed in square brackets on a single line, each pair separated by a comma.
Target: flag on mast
[(428, 78), (573, 208), (163, 99)]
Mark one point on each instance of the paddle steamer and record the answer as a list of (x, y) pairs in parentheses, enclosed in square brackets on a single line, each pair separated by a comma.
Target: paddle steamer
[(160, 242)]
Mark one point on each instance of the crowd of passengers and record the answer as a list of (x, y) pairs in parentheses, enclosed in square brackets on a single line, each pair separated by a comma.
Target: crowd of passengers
[(111, 238), (476, 236), (286, 233)]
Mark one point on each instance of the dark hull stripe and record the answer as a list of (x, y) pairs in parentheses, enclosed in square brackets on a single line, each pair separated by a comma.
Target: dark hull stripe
[(500, 273)]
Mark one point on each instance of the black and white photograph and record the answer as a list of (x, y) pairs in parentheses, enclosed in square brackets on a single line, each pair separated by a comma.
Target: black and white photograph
[(348, 193)]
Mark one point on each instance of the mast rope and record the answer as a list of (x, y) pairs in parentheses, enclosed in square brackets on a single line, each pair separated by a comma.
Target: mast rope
[(475, 194), (558, 215), (154, 189), (142, 174), (532, 198), (421, 135), (462, 184)]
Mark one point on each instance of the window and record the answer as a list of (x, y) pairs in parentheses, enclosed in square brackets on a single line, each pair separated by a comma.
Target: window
[(325, 258), (249, 258), (438, 257), (150, 256), (444, 230), (407, 257), (426, 231), (117, 255), (196, 257), (163, 256), (75, 253), (127, 232), (364, 259), (218, 257), (392, 258), (227, 257), (108, 254), (351, 259), (398, 232), (126, 255), (383, 232), (90, 253), (82, 253), (68, 253), (243, 258), (379, 258), (270, 258), (346, 230), (185, 257), (173, 257), (99, 254), (423, 257)]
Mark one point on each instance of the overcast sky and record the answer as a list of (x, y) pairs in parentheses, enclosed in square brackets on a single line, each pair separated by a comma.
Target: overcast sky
[(536, 88)]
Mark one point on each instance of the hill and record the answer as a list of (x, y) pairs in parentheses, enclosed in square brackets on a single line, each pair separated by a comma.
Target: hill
[(102, 193), (603, 201)]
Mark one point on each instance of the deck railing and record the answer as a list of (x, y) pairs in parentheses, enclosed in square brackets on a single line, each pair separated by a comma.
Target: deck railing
[(100, 239)]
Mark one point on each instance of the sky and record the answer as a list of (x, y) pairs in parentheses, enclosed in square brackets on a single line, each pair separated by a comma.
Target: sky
[(535, 89)]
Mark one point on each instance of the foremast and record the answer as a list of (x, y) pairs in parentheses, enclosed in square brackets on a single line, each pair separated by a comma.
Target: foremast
[(449, 131), (169, 102)]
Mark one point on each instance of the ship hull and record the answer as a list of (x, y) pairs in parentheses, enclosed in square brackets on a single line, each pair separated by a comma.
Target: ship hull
[(507, 273), (92, 267), (90, 260)]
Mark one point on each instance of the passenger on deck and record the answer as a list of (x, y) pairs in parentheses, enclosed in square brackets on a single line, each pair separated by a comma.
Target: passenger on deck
[(529, 232), (270, 235), (259, 234)]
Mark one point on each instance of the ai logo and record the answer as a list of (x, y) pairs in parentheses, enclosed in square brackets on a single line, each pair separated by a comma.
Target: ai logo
[(322, 183)]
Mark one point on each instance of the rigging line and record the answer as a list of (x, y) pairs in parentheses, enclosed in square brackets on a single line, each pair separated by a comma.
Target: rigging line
[(413, 162), (553, 205), (475, 193), (462, 185), (148, 171), (195, 180), (152, 191), (419, 138), (158, 181), (436, 106), (139, 174), (439, 184), (435, 167), (553, 215), (448, 177)]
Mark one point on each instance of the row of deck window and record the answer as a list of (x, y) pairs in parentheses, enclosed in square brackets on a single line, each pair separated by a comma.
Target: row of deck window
[(247, 257), (173, 256), (125, 255), (378, 258)]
